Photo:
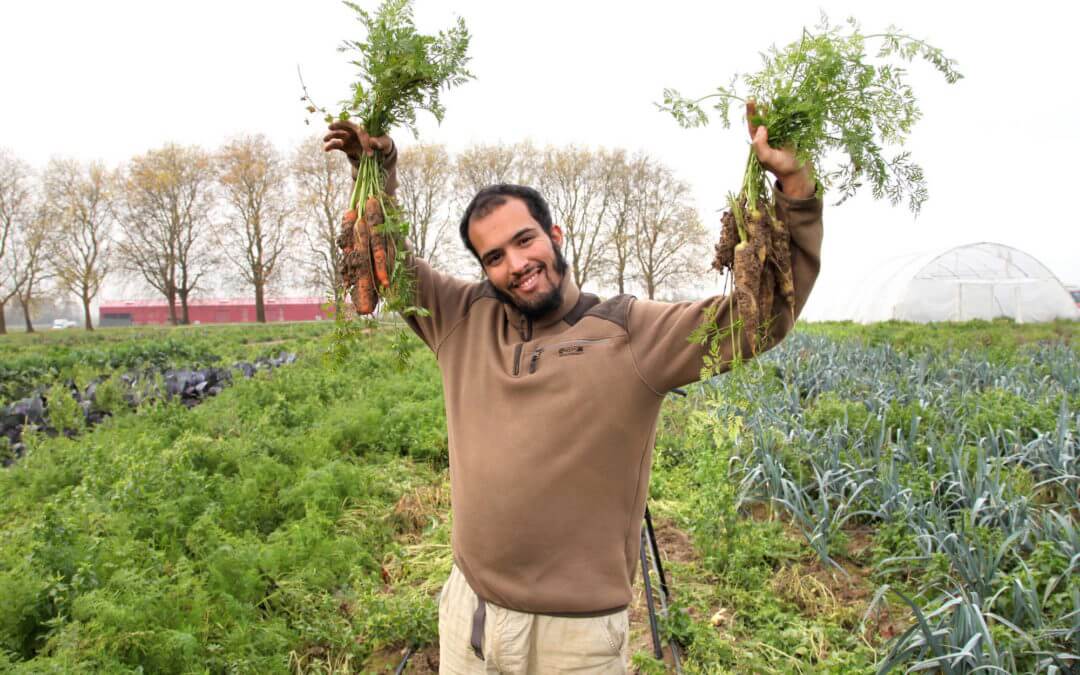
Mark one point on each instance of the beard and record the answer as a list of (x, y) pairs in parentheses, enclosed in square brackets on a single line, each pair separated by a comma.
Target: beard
[(546, 303)]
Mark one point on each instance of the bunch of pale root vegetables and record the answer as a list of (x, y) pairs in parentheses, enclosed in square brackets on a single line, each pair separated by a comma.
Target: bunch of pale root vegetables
[(838, 109)]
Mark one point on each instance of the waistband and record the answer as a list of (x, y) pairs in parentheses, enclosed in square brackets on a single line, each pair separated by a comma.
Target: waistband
[(476, 637)]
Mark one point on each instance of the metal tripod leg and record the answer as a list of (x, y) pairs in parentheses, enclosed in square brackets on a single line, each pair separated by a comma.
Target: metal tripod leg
[(650, 552), (656, 554), (658, 650), (404, 662)]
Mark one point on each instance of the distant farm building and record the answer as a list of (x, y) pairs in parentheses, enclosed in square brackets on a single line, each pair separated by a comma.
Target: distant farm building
[(143, 312)]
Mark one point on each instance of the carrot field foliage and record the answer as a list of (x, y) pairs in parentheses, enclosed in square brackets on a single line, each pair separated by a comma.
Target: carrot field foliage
[(242, 535), (859, 499)]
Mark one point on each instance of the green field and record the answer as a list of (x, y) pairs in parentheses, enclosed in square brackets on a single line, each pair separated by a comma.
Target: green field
[(860, 498)]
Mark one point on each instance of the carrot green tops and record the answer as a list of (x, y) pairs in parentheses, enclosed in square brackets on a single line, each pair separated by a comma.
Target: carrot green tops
[(551, 425)]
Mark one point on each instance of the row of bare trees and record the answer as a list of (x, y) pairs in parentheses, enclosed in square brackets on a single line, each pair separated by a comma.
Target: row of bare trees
[(628, 222), (177, 219), (51, 232), (183, 220), (186, 215)]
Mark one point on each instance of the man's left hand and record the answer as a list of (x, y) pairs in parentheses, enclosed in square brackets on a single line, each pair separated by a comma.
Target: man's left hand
[(796, 180)]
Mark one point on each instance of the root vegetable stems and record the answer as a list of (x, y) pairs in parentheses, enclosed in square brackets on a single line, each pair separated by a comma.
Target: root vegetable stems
[(367, 247)]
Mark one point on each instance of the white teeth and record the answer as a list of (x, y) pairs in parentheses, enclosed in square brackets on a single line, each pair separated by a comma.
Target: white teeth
[(528, 281)]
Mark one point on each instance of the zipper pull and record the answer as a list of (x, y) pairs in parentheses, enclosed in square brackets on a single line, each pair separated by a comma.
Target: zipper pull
[(517, 359), (535, 360)]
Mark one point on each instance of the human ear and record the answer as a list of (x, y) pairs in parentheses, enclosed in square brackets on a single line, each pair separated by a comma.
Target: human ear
[(556, 235)]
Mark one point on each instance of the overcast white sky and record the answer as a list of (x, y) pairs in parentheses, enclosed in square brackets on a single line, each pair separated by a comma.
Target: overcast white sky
[(109, 79)]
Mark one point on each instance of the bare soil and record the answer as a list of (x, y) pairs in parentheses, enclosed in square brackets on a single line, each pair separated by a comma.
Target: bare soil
[(675, 546)]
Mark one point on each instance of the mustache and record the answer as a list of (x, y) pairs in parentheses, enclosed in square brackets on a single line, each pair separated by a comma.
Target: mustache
[(521, 275)]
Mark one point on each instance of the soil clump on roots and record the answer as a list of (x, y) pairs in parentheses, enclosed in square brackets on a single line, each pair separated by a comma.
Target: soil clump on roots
[(755, 246), (356, 264)]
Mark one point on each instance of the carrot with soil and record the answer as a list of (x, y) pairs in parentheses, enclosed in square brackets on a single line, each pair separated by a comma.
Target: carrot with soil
[(356, 263), (839, 110), (373, 218), (400, 72)]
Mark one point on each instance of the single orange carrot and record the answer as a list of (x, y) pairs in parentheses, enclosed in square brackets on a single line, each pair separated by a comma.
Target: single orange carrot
[(359, 261), (373, 217)]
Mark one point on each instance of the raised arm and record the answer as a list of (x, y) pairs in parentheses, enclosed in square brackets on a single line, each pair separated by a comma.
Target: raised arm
[(665, 337), (441, 297), (660, 332)]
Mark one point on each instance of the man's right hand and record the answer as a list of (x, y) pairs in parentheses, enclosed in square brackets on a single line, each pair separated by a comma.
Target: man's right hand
[(355, 142), (351, 139)]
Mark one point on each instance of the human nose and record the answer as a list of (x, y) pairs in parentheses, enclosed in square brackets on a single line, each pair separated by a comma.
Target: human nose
[(518, 261)]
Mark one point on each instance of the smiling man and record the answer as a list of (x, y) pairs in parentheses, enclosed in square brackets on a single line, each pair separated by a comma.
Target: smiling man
[(521, 258), (552, 397)]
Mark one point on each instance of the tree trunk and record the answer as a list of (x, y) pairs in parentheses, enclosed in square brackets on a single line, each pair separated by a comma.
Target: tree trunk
[(3, 323), (185, 316), (86, 313), (172, 307), (26, 316), (260, 308)]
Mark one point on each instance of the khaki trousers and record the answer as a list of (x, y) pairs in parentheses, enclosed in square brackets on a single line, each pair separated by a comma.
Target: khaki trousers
[(526, 644)]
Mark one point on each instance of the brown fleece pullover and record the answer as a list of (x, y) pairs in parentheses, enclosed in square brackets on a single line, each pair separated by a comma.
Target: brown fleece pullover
[(551, 425)]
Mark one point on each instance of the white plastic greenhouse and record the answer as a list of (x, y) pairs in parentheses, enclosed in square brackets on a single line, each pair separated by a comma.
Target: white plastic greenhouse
[(974, 281)]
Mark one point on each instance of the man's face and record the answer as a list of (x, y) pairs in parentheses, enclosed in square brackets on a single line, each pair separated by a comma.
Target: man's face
[(520, 260)]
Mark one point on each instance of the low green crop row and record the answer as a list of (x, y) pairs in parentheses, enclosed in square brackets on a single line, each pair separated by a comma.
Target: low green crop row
[(960, 464)]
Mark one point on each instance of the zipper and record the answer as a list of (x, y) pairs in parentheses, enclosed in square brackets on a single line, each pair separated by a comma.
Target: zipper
[(527, 335), (578, 342), (535, 360), (517, 359), (565, 348)]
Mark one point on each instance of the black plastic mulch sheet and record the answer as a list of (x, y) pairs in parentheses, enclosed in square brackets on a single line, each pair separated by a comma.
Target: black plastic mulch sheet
[(190, 385)]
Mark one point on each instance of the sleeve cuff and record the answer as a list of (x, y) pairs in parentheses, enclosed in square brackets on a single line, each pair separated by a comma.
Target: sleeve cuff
[(813, 202)]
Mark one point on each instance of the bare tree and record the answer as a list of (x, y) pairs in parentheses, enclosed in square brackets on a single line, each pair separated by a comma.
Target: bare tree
[(481, 165), (14, 212), (424, 194), (669, 239), (167, 197), (258, 232), (622, 216), (29, 255), (578, 182), (323, 184), (79, 198)]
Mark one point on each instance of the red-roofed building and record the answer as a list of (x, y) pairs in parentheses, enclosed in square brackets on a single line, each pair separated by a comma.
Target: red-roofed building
[(236, 310)]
